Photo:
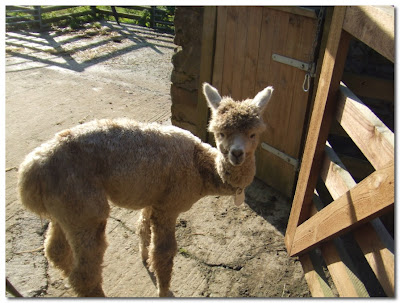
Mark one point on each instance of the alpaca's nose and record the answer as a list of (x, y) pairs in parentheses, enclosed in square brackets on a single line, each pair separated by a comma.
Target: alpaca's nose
[(237, 153)]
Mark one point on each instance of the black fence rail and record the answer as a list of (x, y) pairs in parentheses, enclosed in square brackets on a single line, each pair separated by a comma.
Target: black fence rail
[(43, 16)]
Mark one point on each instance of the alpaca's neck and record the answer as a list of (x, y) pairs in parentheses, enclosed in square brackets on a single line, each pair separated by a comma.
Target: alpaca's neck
[(219, 176), (236, 176)]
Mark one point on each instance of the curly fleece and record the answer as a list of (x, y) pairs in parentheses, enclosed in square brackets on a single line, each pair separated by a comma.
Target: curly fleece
[(236, 115)]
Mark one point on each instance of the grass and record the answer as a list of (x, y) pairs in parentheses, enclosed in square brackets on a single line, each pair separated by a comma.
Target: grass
[(184, 252)]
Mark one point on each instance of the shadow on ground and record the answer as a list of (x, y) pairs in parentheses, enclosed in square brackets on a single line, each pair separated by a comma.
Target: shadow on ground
[(83, 48), (271, 206)]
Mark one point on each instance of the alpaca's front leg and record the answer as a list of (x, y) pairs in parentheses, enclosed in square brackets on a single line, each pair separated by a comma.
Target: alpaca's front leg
[(163, 249)]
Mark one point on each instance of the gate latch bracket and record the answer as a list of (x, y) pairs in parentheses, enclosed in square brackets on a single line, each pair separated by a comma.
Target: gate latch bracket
[(295, 63), (285, 157)]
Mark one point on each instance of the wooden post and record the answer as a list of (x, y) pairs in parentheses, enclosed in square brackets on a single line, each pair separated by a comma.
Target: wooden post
[(153, 17), (206, 68), (331, 72), (38, 15), (94, 11)]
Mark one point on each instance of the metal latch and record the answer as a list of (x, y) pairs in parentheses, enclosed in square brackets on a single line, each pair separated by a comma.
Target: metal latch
[(295, 63), (309, 68), (282, 155)]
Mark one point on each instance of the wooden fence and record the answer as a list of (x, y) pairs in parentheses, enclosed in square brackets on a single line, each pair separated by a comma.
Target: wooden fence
[(17, 16), (315, 222)]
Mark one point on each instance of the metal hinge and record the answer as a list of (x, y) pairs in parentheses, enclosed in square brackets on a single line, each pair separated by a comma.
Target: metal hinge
[(295, 63), (282, 155)]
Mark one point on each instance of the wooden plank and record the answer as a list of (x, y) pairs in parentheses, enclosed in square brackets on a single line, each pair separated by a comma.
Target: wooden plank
[(367, 200), (219, 55), (299, 99), (370, 87), (17, 8), (120, 14), (372, 137), (239, 49), (340, 273), (335, 176), (207, 53), (48, 9), (339, 264), (324, 39), (251, 52), (332, 69), (317, 285), (280, 39), (219, 48), (265, 50), (373, 26), (229, 63), (269, 167), (66, 16), (379, 256)]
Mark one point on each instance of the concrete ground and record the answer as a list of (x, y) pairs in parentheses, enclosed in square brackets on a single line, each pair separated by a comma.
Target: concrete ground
[(57, 79)]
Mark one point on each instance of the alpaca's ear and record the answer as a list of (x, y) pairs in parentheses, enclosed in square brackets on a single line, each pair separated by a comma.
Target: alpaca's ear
[(263, 97), (212, 96)]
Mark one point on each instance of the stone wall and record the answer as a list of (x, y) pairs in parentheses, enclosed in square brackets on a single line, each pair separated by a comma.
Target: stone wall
[(186, 71)]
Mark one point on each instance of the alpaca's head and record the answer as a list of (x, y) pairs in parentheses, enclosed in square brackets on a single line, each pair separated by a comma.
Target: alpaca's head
[(236, 124)]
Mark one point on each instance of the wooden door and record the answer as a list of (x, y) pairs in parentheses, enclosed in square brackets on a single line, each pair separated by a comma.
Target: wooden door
[(246, 39)]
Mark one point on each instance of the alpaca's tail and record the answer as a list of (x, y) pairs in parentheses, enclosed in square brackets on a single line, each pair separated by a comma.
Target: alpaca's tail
[(31, 185)]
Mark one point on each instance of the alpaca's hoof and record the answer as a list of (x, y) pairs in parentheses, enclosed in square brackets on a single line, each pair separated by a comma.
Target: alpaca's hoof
[(165, 293), (96, 292), (145, 254)]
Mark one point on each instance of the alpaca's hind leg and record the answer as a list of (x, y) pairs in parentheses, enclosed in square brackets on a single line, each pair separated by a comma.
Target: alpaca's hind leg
[(88, 244), (163, 249), (57, 249), (144, 233)]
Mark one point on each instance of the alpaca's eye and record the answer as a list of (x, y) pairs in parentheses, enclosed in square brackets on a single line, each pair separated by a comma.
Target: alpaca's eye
[(252, 136), (221, 135)]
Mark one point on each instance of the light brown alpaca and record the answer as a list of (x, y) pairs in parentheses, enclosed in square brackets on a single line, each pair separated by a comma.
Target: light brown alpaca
[(162, 170)]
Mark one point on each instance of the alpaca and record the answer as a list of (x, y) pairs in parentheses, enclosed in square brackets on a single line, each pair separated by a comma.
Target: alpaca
[(162, 170)]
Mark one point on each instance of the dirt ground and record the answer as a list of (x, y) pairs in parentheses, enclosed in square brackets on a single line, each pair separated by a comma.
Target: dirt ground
[(57, 79)]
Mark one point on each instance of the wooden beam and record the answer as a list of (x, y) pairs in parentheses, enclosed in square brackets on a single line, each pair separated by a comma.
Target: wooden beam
[(331, 72), (378, 256), (367, 200), (347, 284), (339, 264), (316, 283), (219, 48), (335, 176), (251, 53), (206, 68), (372, 137), (48, 9), (338, 181), (373, 26)]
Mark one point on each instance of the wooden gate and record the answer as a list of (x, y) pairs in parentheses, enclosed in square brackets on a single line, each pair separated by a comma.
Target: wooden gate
[(240, 63), (315, 220)]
